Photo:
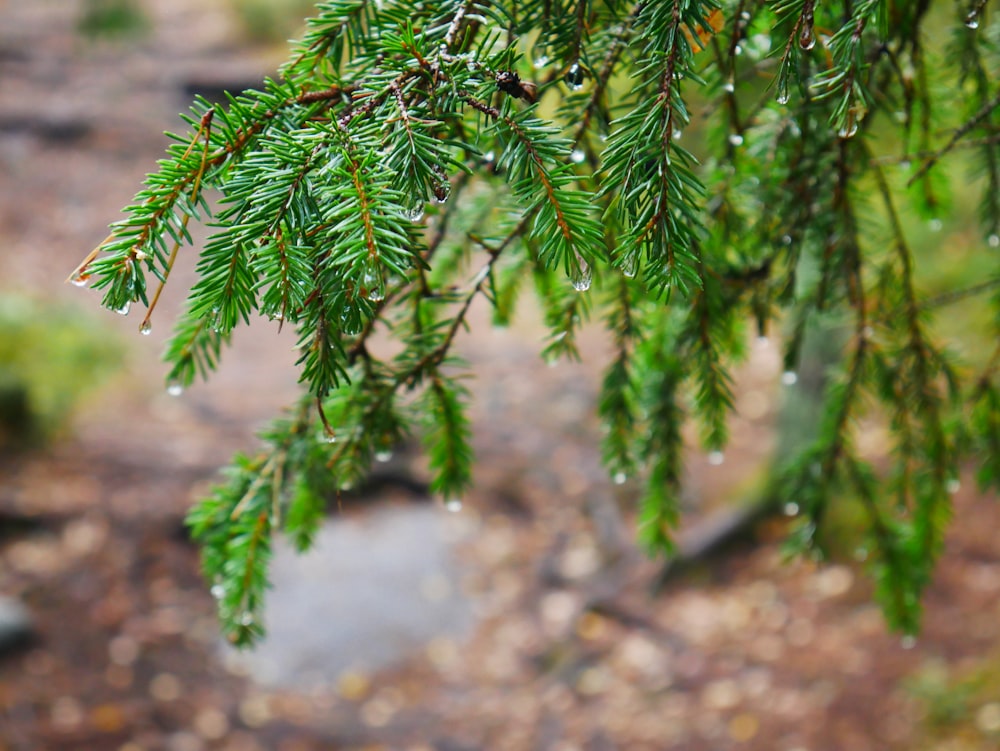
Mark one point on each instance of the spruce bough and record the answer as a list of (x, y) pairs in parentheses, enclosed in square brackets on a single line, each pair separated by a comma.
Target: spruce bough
[(687, 171)]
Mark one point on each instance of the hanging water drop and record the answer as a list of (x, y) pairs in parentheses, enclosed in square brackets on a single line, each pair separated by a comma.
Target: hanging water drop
[(414, 213), (729, 86), (376, 294), (972, 20), (574, 77), (993, 240), (146, 328), (789, 378), (791, 508), (630, 265), (218, 591), (454, 505), (619, 478), (583, 276), (807, 39), (124, 309), (80, 280), (577, 156), (715, 458), (782, 96), (735, 139), (441, 193), (541, 61), (350, 324), (849, 128), (489, 156), (953, 485), (370, 277), (246, 618), (738, 50), (676, 135), (328, 436), (174, 388), (383, 455)]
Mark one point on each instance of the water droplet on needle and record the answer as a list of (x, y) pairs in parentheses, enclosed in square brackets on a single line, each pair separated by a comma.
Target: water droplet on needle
[(583, 276)]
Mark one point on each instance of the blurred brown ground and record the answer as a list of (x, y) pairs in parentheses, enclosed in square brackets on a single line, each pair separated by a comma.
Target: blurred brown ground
[(569, 651)]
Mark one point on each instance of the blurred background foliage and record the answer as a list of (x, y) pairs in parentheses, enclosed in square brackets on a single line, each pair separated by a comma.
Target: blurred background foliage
[(51, 357)]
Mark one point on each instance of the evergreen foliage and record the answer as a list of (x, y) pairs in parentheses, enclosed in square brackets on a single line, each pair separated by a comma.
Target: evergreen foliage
[(690, 171)]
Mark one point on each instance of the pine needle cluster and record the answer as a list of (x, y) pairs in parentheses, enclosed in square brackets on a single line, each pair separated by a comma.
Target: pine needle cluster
[(688, 171)]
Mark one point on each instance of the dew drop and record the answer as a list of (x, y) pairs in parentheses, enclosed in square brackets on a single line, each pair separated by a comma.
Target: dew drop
[(676, 135), (246, 618), (574, 77), (791, 508), (908, 642), (441, 193), (786, 239), (454, 505), (371, 279), (972, 20), (861, 554), (174, 388), (376, 294), (124, 309), (489, 156), (807, 40), (935, 225), (953, 485), (583, 276), (782, 97), (619, 478), (789, 378), (738, 50), (383, 456), (218, 591), (630, 265), (328, 436), (849, 129), (80, 280), (146, 328), (541, 61), (993, 240), (735, 139), (729, 87), (415, 213), (350, 324), (715, 458), (577, 156)]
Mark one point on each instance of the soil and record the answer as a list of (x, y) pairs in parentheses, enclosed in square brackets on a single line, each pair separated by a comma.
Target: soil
[(570, 649)]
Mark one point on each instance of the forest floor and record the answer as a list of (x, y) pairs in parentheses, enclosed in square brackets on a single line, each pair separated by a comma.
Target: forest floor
[(566, 647)]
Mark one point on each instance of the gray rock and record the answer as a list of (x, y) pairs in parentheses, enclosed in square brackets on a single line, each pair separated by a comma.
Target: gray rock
[(375, 588), (16, 625)]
